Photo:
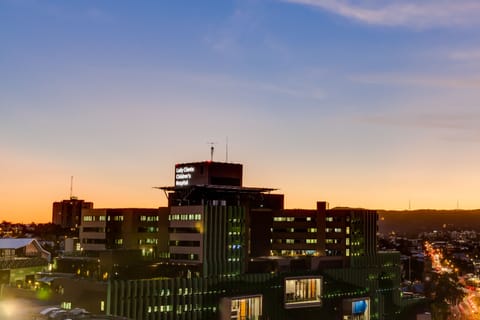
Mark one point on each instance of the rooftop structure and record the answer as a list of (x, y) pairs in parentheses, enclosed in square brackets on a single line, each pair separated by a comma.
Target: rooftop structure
[(67, 213)]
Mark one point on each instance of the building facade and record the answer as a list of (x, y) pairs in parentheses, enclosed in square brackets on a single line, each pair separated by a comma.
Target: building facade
[(67, 213), (350, 232), (234, 252), (125, 229)]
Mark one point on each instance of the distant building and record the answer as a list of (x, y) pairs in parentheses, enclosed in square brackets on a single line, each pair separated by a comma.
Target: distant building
[(67, 213), (71, 245), (350, 232), (341, 232), (298, 232), (125, 229), (20, 260)]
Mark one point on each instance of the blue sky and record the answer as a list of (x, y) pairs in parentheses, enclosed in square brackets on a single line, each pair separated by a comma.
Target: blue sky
[(360, 103)]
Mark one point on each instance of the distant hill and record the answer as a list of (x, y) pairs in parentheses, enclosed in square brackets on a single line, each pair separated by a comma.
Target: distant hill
[(412, 222)]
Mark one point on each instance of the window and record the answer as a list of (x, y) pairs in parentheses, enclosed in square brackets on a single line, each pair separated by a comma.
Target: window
[(302, 292), (185, 217), (246, 307), (149, 218), (184, 243)]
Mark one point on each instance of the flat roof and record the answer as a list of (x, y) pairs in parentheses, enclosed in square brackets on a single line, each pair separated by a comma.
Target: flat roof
[(218, 188), (208, 162)]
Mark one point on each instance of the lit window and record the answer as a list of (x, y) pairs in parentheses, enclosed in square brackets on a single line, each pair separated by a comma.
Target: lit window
[(302, 292)]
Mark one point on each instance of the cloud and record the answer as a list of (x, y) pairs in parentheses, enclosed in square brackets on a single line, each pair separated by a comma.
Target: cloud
[(238, 29), (445, 126), (451, 121), (416, 80), (295, 87), (405, 13), (472, 55)]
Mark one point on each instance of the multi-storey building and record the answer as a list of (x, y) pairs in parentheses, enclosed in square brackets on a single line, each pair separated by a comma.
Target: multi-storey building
[(350, 232), (298, 232), (240, 255), (209, 216), (125, 229), (332, 232), (67, 213)]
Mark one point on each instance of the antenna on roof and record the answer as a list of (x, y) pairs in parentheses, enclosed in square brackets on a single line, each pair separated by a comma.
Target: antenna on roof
[(226, 150), (71, 187), (212, 148)]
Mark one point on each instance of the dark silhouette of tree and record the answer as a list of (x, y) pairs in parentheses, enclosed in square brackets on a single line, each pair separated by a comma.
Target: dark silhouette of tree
[(445, 291)]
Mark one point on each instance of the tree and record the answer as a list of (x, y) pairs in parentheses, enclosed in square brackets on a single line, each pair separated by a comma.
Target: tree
[(445, 291)]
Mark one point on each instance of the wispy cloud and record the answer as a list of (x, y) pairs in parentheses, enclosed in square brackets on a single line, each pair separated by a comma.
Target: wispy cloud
[(471, 55), (61, 11), (454, 121), (460, 126), (405, 13), (295, 87), (238, 28), (424, 80)]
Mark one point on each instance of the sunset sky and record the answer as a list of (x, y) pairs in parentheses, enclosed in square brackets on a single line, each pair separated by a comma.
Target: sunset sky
[(360, 103)]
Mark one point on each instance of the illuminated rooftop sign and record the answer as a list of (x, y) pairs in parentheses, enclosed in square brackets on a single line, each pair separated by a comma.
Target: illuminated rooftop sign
[(183, 175)]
